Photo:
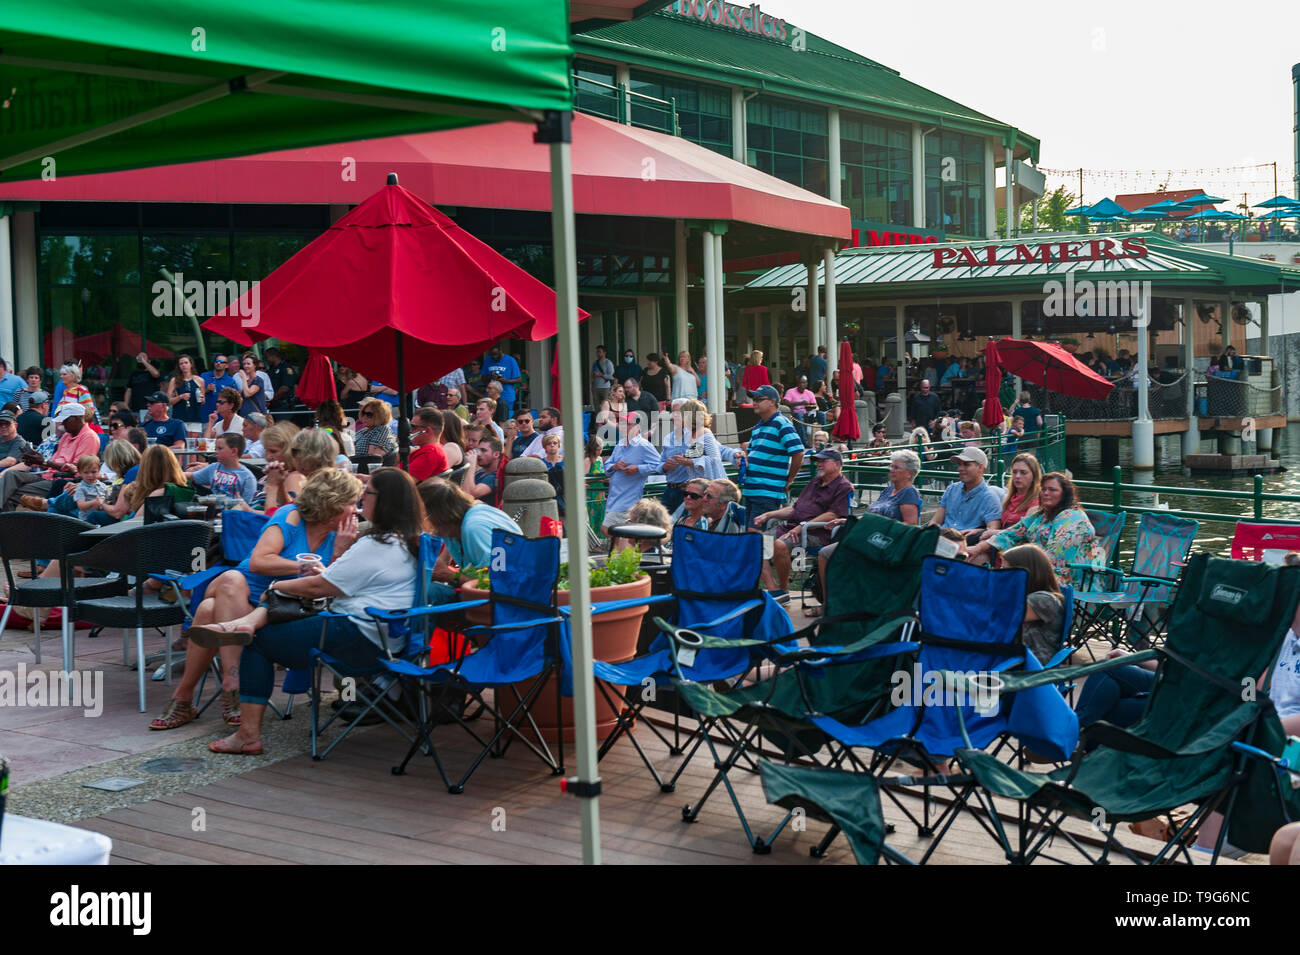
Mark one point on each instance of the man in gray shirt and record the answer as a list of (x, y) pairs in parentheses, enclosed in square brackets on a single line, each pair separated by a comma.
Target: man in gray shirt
[(12, 444)]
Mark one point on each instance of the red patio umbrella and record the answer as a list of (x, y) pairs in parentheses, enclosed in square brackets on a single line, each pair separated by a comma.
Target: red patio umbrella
[(316, 384), (401, 290), (1049, 365), (846, 422), (993, 413)]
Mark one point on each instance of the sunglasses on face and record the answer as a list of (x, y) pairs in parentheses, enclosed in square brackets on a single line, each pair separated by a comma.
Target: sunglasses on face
[(693, 495), (367, 414)]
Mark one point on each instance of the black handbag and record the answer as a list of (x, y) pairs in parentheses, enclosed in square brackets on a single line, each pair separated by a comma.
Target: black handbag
[(284, 608)]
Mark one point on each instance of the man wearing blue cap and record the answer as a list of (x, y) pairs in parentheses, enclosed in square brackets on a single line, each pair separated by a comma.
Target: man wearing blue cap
[(773, 456)]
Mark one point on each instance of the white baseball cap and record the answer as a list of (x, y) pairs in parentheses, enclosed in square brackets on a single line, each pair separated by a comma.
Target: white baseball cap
[(69, 409)]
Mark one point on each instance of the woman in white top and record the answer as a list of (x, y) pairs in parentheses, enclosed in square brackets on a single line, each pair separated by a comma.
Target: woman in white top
[(686, 381), (612, 410), (377, 571)]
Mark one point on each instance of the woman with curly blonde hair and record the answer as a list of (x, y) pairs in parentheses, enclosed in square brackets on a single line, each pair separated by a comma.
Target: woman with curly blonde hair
[(322, 521), (311, 450)]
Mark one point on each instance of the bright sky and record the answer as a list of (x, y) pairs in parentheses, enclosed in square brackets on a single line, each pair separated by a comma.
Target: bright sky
[(1139, 86)]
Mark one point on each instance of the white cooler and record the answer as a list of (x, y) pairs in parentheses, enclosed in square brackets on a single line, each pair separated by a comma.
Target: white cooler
[(26, 841)]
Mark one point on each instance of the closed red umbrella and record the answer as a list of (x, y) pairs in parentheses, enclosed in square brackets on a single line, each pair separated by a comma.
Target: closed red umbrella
[(1049, 365), (993, 414), (846, 422), (555, 377), (400, 290), (316, 383)]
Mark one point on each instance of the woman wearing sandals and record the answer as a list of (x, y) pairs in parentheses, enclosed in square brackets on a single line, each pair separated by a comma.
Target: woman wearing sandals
[(377, 571), (322, 521)]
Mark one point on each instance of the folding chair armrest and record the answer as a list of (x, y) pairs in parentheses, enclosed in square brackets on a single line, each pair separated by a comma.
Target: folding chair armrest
[(1254, 752), (429, 611), (1214, 739), (817, 657), (1014, 682), (1152, 581), (1089, 568), (1060, 657), (609, 606), (809, 526), (517, 625)]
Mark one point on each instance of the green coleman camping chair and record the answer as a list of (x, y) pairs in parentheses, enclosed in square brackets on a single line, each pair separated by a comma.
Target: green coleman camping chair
[(1133, 608), (842, 796), (1226, 629), (872, 583)]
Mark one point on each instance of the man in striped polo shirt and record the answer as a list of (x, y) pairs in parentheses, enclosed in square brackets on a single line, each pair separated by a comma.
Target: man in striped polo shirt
[(773, 457)]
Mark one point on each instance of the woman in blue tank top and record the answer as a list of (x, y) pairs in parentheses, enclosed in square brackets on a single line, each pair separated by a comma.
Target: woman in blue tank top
[(323, 522)]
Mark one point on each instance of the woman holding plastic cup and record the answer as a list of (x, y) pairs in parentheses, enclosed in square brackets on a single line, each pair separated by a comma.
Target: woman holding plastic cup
[(300, 540)]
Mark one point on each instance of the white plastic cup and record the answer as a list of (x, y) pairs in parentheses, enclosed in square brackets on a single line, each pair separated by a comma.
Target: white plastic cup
[(306, 563)]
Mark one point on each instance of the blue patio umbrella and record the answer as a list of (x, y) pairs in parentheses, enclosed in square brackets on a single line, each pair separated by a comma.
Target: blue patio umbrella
[(1078, 211), (1163, 205), (1289, 213), (1108, 207), (1201, 199), (1147, 214), (1278, 202), (1211, 214)]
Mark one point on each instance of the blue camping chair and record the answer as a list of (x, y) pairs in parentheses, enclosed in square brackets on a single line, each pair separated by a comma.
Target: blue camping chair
[(1108, 528), (970, 619), (715, 581), (240, 532), (1134, 608), (371, 683), (520, 646)]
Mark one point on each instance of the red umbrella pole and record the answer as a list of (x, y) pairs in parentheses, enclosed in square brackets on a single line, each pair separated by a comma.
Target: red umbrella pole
[(403, 415)]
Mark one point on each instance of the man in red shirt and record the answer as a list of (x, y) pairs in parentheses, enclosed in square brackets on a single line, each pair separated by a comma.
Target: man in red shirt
[(427, 457), (77, 439)]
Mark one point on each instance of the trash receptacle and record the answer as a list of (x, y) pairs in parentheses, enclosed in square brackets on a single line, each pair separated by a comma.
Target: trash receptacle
[(527, 501)]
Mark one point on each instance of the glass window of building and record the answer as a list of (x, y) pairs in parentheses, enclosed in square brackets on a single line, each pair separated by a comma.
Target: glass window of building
[(876, 165), (703, 112), (594, 89), (954, 183), (102, 297), (788, 141)]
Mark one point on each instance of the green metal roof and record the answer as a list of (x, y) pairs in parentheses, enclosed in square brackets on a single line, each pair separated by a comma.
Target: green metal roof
[(893, 272), (825, 72)]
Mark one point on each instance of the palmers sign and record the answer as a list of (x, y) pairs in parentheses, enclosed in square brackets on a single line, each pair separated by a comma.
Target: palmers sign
[(1047, 253)]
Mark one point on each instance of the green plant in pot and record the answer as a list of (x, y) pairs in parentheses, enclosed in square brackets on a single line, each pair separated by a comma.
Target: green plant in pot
[(613, 634)]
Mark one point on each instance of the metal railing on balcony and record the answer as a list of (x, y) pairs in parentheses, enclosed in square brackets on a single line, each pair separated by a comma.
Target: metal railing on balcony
[(1218, 397), (1167, 400), (623, 105)]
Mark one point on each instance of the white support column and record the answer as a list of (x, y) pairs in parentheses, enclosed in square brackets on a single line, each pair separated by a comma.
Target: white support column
[(990, 190), (623, 78), (814, 307), (1264, 436), (27, 334), (738, 124), (1008, 195), (8, 335), (832, 337), (900, 352), (1144, 429), (774, 325), (575, 491), (833, 171), (710, 301), (1192, 436), (717, 398), (918, 176), (1016, 332), (681, 301), (538, 362)]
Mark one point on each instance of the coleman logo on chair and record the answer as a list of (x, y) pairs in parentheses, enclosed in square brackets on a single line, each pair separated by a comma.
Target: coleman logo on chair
[(880, 540), (1226, 594)]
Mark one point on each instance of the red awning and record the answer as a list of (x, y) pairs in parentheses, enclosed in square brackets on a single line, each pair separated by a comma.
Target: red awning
[(617, 170)]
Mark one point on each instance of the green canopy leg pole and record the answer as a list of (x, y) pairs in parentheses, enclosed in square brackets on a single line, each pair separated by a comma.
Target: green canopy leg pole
[(556, 130)]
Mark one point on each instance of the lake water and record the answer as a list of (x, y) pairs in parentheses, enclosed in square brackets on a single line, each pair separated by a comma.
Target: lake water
[(1213, 536)]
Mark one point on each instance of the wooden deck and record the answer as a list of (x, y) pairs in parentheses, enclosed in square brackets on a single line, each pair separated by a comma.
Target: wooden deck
[(351, 809)]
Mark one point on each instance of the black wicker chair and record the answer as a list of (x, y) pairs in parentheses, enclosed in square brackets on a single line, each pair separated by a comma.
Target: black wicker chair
[(32, 536), (167, 549)]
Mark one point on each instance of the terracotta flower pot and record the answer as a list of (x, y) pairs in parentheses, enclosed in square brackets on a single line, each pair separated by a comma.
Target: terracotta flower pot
[(613, 638)]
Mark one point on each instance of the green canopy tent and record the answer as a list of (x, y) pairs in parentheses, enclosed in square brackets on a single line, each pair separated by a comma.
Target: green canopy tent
[(95, 88)]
